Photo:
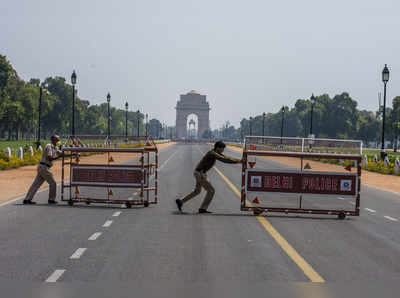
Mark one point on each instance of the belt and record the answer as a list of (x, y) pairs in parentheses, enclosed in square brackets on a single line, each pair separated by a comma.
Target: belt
[(45, 164)]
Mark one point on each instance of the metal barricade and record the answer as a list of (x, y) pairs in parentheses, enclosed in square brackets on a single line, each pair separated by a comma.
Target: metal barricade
[(127, 174), (283, 181)]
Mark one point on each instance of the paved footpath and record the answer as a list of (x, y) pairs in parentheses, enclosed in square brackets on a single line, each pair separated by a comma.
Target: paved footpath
[(159, 245)]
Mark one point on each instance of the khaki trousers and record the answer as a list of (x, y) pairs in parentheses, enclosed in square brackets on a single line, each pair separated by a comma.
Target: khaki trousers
[(43, 174), (201, 181)]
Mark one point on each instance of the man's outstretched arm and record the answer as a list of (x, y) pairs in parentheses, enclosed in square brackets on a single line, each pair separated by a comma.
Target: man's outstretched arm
[(226, 159)]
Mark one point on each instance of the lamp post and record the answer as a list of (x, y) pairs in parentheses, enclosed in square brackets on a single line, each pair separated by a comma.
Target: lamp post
[(138, 122), (263, 128), (313, 99), (73, 81), (385, 79), (126, 121), (251, 123), (165, 130), (39, 120), (283, 119), (109, 116), (147, 118)]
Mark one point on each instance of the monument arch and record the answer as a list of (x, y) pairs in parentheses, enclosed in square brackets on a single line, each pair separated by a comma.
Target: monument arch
[(192, 103)]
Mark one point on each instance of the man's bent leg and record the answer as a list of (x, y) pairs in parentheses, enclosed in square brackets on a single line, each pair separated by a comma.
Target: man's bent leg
[(210, 194), (196, 190), (48, 176), (34, 187)]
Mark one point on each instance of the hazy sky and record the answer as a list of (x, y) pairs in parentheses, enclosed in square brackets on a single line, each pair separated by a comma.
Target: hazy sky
[(247, 56)]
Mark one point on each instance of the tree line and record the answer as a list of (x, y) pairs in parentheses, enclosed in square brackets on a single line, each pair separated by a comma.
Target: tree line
[(19, 110), (336, 118)]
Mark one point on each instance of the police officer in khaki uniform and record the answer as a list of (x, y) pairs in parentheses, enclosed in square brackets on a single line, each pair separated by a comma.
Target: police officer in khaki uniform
[(50, 153), (205, 164)]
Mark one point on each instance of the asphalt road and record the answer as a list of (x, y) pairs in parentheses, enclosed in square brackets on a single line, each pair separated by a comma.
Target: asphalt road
[(158, 244)]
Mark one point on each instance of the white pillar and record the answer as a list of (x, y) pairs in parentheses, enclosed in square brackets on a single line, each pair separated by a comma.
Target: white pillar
[(8, 151), (20, 153)]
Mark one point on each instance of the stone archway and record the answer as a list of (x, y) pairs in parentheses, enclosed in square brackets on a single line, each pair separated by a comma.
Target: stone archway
[(192, 103)]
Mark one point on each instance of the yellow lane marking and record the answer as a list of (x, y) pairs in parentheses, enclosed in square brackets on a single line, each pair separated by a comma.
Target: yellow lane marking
[(290, 251)]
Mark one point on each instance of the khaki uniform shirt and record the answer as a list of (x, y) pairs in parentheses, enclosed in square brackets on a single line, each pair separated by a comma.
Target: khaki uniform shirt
[(208, 161), (49, 151)]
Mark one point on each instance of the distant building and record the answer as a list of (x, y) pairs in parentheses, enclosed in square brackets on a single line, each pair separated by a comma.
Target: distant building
[(192, 103)]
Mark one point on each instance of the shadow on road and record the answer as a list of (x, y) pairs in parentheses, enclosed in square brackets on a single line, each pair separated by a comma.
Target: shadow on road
[(80, 206), (304, 217)]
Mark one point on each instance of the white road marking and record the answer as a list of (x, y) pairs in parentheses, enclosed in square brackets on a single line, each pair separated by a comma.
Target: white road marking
[(117, 213), (352, 203), (370, 210), (78, 253), (165, 162), (340, 198), (107, 223), (390, 218), (55, 275), (95, 236)]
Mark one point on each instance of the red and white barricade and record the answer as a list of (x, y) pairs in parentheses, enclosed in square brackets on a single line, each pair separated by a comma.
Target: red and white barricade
[(277, 176), (118, 174)]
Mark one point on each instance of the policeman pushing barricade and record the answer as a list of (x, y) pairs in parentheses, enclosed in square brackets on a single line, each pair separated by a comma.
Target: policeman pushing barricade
[(200, 174), (50, 153)]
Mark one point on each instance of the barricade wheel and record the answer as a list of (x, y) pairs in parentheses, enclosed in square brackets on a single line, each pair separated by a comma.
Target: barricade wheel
[(71, 203), (146, 204), (257, 211), (128, 205), (342, 215)]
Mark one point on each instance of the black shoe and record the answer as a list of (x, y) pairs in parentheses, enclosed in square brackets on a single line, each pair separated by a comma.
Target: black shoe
[(52, 202), (204, 211), (28, 202), (179, 204)]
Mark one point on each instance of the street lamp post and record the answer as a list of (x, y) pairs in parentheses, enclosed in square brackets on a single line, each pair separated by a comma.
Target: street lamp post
[(73, 81), (138, 122), (126, 121), (251, 123), (283, 119), (109, 116), (385, 79), (39, 120), (313, 99), (147, 118), (263, 123)]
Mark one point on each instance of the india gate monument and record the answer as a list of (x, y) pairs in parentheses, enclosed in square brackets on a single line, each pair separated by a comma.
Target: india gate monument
[(192, 103)]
